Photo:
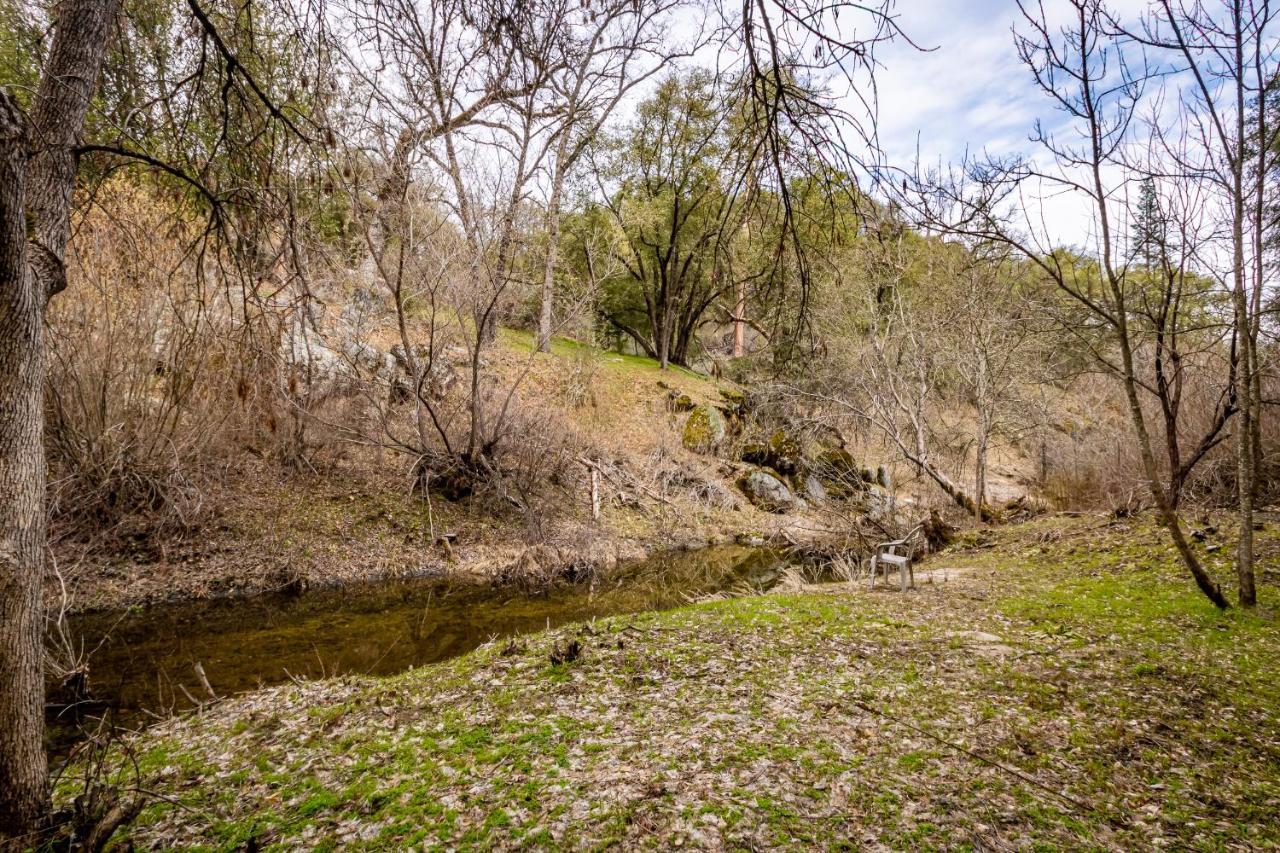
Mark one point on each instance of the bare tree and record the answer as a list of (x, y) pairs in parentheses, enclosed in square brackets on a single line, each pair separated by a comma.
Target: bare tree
[(1229, 51), (898, 383), (1099, 91), (894, 355), (1180, 327), (609, 52), (988, 337)]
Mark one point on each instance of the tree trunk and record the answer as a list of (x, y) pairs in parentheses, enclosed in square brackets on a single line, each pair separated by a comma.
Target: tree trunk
[(1168, 515), (980, 477), (31, 270), (1245, 457), (740, 321), (549, 264), (662, 338), (956, 493), (982, 396), (947, 485), (1245, 452), (23, 777)]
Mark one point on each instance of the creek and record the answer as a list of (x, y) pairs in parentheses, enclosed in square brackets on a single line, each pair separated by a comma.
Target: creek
[(143, 662)]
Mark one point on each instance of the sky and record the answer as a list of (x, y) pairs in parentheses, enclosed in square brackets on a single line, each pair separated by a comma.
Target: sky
[(969, 92)]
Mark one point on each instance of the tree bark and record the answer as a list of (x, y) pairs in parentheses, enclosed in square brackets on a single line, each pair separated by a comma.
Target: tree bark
[(739, 320), (1168, 515), (23, 777), (545, 317), (952, 491), (31, 270), (67, 86)]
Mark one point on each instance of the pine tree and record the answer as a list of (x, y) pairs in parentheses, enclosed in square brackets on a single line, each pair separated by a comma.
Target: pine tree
[(1150, 228)]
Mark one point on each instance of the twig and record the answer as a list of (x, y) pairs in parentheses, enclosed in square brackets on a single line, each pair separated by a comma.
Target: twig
[(204, 681)]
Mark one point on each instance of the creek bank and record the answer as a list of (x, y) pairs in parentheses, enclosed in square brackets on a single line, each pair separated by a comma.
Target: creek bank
[(485, 565), (660, 465)]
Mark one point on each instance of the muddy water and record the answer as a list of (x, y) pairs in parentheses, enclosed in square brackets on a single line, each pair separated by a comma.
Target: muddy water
[(146, 660)]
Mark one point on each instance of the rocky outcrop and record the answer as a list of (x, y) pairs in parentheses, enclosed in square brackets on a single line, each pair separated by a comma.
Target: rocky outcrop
[(879, 504), (781, 451)]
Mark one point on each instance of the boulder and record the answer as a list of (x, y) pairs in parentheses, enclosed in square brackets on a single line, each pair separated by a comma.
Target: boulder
[(735, 401), (755, 453), (781, 452), (368, 359), (839, 462), (785, 453), (814, 490), (768, 492), (704, 430)]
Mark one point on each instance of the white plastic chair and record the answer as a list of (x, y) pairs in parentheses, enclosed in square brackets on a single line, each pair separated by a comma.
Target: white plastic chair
[(886, 555)]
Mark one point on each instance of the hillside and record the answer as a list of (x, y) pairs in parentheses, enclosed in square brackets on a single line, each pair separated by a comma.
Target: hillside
[(1057, 685), (268, 528)]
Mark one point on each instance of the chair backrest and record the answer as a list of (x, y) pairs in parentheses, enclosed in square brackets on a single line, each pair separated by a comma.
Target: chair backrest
[(905, 542)]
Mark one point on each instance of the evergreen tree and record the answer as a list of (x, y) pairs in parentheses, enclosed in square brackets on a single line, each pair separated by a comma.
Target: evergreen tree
[(1150, 241)]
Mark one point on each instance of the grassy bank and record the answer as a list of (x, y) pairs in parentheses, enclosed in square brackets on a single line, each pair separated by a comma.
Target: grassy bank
[(1059, 686)]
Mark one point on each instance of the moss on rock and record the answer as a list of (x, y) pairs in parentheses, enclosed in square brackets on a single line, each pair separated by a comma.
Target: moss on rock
[(704, 430)]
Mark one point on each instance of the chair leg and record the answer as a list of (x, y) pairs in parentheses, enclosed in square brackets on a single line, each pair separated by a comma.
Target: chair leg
[(902, 577)]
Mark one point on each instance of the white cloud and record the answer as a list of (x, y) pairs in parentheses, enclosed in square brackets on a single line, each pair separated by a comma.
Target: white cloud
[(971, 94)]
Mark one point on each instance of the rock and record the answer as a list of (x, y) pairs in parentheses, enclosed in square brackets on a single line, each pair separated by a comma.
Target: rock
[(681, 402), (781, 452), (755, 453), (814, 490), (366, 358), (840, 473), (735, 401), (704, 430), (982, 643), (839, 463), (879, 504), (785, 452), (768, 492)]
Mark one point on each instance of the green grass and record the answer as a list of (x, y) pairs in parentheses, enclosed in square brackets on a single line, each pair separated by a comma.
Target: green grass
[(1120, 711), (569, 348)]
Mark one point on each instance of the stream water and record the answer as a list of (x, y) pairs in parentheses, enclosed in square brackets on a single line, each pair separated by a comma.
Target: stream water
[(145, 660)]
